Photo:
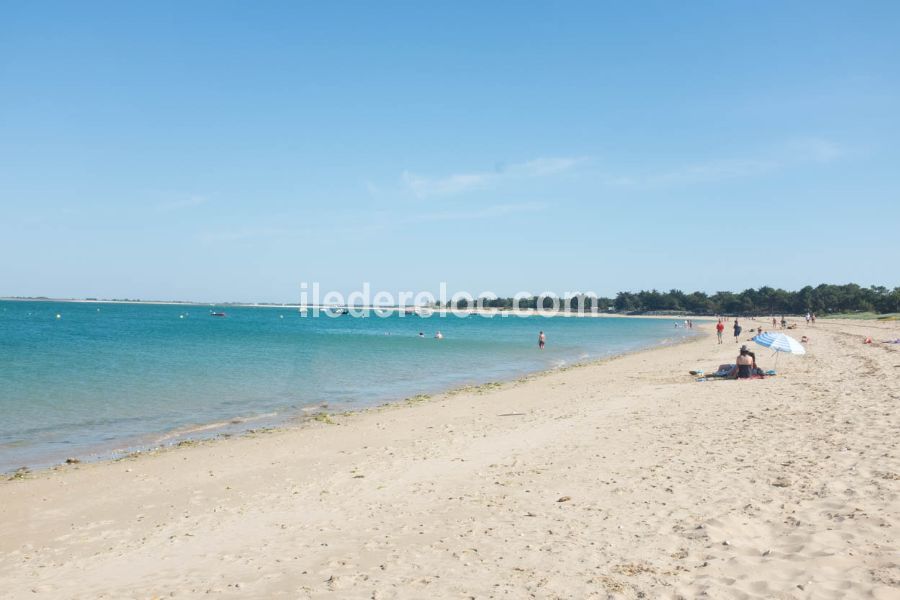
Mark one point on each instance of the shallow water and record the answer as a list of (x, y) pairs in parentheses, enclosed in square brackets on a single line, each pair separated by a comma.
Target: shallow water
[(104, 378)]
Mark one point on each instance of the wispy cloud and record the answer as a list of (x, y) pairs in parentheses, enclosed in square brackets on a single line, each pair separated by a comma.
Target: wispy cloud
[(181, 203), (246, 233), (542, 167), (790, 154), (423, 186), (372, 189), (714, 170), (813, 150), (484, 212), (371, 222)]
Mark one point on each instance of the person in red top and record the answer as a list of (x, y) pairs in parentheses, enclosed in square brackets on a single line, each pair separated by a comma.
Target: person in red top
[(720, 327)]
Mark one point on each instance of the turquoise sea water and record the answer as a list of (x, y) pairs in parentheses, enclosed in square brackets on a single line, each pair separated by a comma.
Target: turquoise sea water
[(105, 378)]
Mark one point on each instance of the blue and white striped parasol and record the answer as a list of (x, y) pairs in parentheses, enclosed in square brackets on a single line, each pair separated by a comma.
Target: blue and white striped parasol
[(779, 343)]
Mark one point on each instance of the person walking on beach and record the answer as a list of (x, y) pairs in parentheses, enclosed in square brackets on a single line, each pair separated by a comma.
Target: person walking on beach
[(783, 322), (720, 327), (737, 330), (542, 339)]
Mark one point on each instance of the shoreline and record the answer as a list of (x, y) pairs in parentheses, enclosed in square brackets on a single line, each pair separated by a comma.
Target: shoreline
[(624, 478), (440, 312), (444, 312), (227, 427)]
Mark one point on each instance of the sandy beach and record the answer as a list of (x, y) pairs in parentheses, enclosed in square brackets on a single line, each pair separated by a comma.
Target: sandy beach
[(621, 479)]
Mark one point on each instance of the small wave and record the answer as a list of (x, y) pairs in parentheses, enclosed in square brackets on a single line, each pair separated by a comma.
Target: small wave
[(14, 444), (176, 433), (252, 418), (193, 429)]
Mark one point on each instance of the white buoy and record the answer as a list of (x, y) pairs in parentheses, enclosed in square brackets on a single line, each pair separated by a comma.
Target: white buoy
[(58, 316)]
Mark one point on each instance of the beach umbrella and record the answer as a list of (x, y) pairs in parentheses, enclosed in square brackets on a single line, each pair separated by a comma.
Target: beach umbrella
[(779, 342)]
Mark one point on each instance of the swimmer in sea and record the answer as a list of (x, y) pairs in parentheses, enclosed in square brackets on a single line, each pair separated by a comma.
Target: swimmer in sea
[(542, 339)]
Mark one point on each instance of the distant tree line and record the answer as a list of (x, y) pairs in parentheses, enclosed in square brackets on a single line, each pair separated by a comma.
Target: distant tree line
[(822, 299)]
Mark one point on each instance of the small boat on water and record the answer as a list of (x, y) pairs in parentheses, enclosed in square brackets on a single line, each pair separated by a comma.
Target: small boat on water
[(216, 314)]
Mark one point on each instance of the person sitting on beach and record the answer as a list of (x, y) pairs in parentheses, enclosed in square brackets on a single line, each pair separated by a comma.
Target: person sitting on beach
[(749, 353), (745, 364)]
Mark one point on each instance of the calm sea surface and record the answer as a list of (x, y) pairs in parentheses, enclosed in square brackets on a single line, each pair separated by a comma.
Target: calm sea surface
[(107, 378)]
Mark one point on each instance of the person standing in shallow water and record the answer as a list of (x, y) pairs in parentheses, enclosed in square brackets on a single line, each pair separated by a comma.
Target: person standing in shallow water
[(542, 339), (737, 330)]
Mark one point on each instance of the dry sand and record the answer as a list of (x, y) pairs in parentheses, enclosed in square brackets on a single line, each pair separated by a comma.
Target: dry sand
[(624, 479)]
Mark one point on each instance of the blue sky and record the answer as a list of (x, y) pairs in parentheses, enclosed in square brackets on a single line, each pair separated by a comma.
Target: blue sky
[(228, 151)]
